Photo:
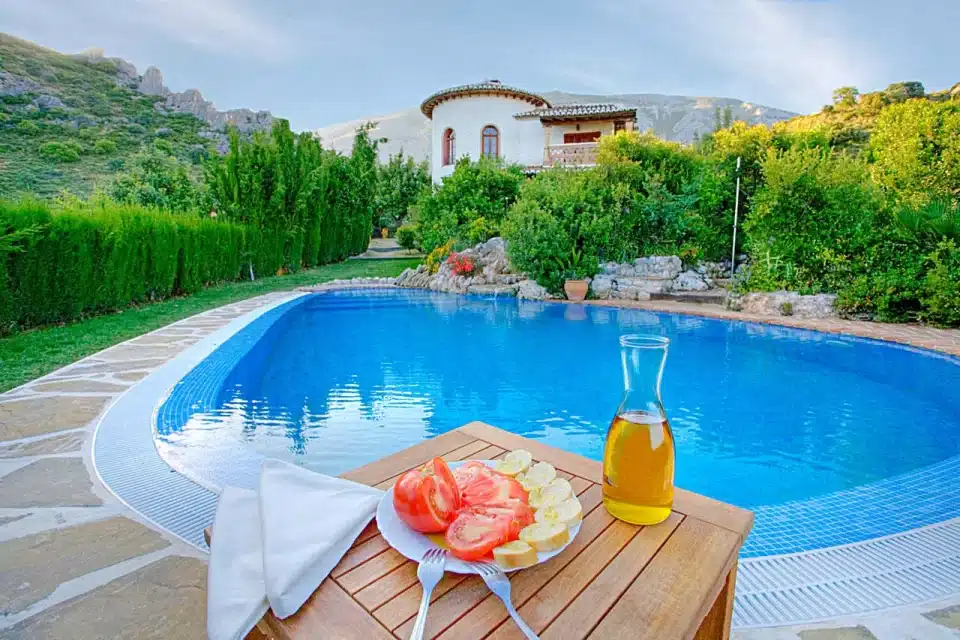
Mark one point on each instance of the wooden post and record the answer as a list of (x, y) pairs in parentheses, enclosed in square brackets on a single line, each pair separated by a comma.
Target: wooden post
[(546, 145)]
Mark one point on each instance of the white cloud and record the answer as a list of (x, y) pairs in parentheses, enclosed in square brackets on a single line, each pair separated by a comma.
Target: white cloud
[(800, 50), (231, 28)]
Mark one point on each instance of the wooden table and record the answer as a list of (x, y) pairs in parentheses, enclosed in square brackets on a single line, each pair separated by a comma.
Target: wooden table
[(615, 580)]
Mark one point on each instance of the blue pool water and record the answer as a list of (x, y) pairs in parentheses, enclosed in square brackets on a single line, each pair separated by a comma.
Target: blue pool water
[(762, 415)]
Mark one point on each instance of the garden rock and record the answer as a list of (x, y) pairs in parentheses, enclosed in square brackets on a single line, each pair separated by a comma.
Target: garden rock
[(788, 303), (530, 290), (494, 289), (664, 267), (602, 286), (690, 281)]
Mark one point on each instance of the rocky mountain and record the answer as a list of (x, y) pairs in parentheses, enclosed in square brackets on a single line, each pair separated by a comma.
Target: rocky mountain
[(69, 122), (678, 118)]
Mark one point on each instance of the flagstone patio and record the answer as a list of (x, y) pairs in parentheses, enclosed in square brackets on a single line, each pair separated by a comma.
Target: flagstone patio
[(77, 563)]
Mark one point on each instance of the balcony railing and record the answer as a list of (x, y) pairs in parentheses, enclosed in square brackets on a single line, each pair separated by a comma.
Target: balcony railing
[(577, 154)]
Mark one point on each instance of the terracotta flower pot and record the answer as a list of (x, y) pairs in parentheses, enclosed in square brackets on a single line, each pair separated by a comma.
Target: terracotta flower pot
[(576, 290)]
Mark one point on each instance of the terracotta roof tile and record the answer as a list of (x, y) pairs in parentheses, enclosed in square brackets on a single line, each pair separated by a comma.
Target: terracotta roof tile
[(488, 86), (578, 111)]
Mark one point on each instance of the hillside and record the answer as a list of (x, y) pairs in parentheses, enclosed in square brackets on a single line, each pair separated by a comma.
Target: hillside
[(679, 118), (851, 118), (70, 121)]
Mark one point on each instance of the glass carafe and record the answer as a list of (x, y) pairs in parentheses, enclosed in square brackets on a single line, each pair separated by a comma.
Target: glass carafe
[(638, 458)]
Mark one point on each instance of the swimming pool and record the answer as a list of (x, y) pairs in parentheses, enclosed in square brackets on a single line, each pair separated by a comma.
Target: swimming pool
[(830, 439)]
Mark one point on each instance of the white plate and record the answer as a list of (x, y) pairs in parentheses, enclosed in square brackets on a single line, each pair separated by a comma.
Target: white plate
[(413, 544)]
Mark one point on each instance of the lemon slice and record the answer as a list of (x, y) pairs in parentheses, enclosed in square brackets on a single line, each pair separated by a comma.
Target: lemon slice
[(514, 463), (514, 555), (539, 475), (568, 513), (554, 493), (545, 536)]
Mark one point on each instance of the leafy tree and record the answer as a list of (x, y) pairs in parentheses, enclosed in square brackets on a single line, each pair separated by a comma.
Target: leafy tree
[(470, 204), (900, 91), (916, 151), (399, 184), (155, 179), (845, 96)]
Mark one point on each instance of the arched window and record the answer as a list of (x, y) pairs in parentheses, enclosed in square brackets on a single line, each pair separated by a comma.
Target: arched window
[(490, 145), (449, 147)]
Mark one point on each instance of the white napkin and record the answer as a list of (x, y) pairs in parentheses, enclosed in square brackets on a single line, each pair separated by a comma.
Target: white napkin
[(274, 547)]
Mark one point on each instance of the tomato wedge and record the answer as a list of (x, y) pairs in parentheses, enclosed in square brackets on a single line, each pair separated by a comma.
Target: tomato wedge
[(427, 498), (519, 511), (489, 488), (470, 472), (478, 530)]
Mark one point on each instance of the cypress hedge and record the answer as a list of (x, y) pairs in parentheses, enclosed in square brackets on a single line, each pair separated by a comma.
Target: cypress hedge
[(58, 265)]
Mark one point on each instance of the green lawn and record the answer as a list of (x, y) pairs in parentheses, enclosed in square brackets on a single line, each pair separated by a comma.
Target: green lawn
[(33, 353)]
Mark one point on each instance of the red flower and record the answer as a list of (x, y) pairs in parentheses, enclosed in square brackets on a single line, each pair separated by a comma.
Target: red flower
[(461, 265)]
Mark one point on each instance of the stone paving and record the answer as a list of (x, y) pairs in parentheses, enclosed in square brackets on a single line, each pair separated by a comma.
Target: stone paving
[(76, 563)]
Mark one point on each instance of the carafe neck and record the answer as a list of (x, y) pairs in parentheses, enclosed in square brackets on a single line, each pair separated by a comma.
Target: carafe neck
[(643, 359)]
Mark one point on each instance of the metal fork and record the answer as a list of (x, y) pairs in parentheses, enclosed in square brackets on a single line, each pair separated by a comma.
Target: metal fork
[(498, 582), (429, 573)]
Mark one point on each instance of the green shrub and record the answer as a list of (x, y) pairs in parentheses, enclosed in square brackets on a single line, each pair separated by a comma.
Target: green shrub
[(565, 223), (941, 298), (68, 151), (438, 255), (916, 151), (407, 237), (803, 188), (104, 147), (474, 190), (28, 127)]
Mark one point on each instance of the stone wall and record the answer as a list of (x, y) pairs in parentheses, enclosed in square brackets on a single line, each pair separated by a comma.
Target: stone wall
[(639, 279), (628, 281), (786, 303)]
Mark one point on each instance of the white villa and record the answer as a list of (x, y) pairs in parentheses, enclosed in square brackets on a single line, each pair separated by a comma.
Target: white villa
[(492, 119)]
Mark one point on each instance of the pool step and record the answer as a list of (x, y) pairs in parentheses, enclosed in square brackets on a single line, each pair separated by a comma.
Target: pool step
[(714, 296)]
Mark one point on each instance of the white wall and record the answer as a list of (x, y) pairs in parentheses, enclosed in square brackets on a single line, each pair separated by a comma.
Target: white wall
[(521, 141), (605, 127)]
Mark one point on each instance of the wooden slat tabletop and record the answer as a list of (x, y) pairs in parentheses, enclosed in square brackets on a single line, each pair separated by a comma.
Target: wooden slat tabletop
[(615, 580)]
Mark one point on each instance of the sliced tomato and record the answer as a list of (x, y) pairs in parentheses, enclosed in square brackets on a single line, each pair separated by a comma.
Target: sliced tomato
[(471, 471), (427, 498), (478, 530), (490, 488), (519, 511)]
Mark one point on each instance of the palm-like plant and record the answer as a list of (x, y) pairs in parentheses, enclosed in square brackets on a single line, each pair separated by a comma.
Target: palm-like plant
[(939, 218)]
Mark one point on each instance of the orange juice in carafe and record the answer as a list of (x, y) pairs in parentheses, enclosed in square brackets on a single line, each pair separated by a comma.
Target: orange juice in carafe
[(638, 458)]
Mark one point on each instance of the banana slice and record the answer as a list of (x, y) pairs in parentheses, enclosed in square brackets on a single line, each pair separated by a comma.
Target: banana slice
[(514, 463), (539, 475), (545, 536), (554, 493), (568, 513), (514, 555)]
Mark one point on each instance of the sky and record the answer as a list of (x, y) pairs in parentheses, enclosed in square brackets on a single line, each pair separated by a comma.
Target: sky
[(318, 62)]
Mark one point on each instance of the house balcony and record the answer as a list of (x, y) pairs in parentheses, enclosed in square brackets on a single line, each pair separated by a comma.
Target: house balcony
[(575, 154)]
